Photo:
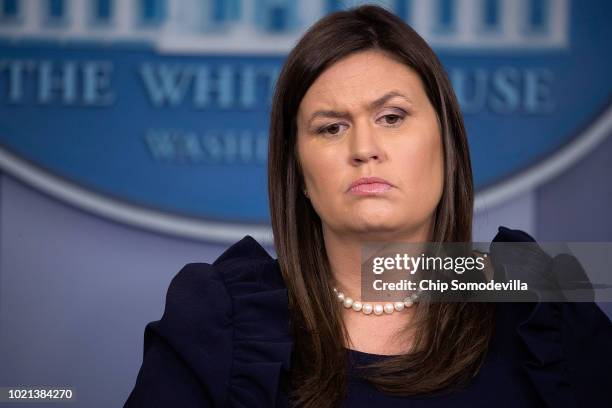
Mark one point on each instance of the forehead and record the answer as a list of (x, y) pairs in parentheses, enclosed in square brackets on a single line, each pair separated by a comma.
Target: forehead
[(360, 78)]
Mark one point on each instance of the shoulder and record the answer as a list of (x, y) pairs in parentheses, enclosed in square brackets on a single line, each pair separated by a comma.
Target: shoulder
[(209, 296), (245, 267), (562, 348), (566, 345), (228, 324)]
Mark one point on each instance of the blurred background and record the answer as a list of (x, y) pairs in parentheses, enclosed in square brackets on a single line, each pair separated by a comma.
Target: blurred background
[(133, 140)]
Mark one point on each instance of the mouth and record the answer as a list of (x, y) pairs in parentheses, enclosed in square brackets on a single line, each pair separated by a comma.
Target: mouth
[(369, 186)]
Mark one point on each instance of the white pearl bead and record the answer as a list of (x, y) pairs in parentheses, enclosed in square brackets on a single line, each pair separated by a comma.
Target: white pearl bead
[(348, 302), (378, 310), (389, 308)]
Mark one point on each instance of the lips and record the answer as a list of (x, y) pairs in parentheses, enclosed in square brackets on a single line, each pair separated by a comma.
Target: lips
[(369, 185)]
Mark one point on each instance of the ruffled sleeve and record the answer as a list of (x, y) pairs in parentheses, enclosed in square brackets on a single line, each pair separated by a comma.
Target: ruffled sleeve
[(187, 353), (262, 344), (223, 339), (570, 353), (568, 345)]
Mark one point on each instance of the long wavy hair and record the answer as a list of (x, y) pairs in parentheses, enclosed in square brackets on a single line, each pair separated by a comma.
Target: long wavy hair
[(452, 338)]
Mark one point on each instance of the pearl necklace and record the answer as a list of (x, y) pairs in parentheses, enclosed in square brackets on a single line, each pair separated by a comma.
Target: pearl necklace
[(378, 309)]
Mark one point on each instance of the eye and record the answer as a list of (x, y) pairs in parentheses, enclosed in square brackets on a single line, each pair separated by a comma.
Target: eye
[(391, 119), (333, 129)]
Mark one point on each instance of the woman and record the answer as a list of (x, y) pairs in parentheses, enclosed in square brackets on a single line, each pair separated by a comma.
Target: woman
[(362, 96)]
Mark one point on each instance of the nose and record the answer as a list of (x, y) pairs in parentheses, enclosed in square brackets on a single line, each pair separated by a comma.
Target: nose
[(364, 145)]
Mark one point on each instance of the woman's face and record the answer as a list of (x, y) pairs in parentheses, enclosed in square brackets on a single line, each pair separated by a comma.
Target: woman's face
[(369, 116)]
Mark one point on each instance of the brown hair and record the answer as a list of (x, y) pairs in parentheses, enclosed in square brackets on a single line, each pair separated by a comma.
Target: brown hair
[(453, 337)]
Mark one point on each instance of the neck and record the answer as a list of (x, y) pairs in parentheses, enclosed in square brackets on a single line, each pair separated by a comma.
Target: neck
[(344, 254), (384, 334)]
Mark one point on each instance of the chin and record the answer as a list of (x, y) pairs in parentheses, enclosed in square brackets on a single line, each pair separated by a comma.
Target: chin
[(375, 215), (382, 234), (375, 223)]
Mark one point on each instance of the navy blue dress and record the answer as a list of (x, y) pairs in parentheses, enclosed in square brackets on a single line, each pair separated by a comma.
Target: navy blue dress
[(224, 340)]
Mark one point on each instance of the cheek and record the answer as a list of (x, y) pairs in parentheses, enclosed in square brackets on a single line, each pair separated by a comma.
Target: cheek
[(322, 171), (320, 168), (424, 174)]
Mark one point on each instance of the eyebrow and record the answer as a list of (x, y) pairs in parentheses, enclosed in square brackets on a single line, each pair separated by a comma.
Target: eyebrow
[(377, 103)]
